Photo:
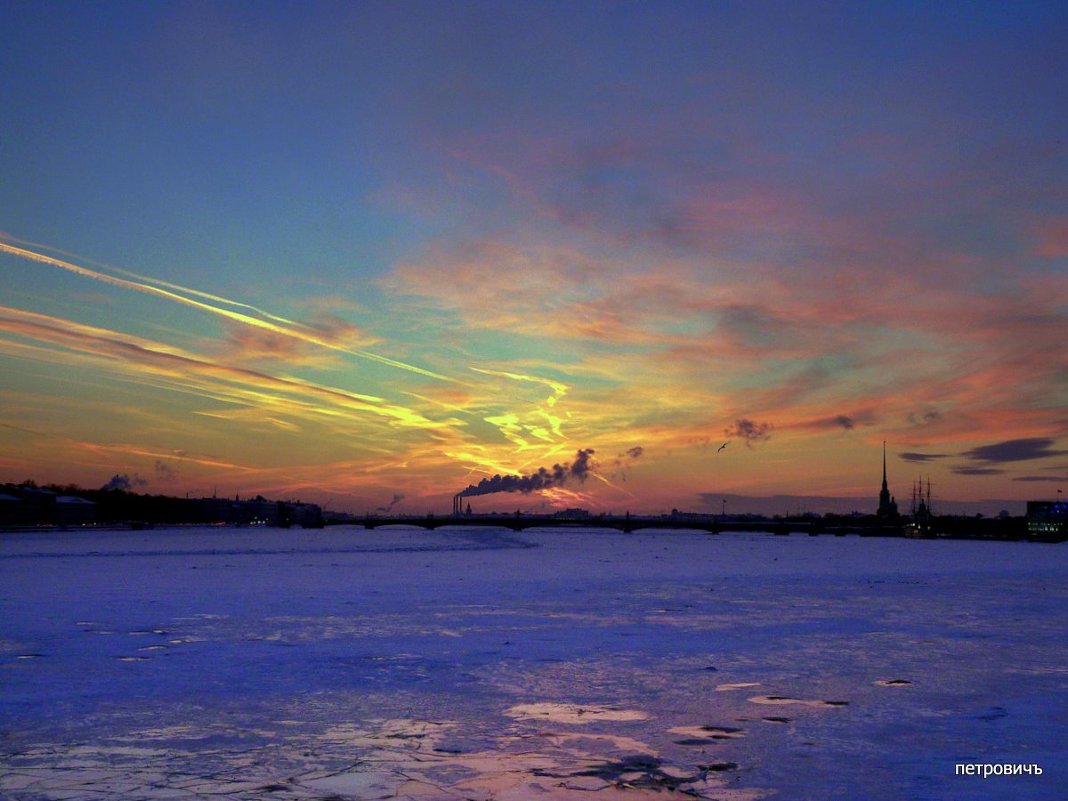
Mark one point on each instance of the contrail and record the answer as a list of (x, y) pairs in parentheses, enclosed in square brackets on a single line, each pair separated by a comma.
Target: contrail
[(135, 450), (132, 349), (174, 296), (159, 282)]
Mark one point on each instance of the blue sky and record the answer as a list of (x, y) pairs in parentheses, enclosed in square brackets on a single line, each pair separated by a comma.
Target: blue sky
[(524, 230)]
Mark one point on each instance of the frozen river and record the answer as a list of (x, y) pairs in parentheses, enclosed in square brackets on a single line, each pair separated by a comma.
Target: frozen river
[(563, 664)]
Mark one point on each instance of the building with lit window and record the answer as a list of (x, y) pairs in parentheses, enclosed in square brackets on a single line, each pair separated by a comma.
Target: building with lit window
[(1047, 520)]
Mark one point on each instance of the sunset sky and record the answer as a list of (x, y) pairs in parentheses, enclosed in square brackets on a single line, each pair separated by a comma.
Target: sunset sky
[(368, 254)]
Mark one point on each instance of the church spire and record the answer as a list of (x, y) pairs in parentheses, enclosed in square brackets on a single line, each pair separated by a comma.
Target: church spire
[(887, 505)]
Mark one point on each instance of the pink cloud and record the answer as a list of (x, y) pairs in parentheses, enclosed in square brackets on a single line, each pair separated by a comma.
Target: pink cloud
[(1052, 238)]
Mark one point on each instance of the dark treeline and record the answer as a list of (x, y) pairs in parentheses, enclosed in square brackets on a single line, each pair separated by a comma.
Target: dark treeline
[(28, 504)]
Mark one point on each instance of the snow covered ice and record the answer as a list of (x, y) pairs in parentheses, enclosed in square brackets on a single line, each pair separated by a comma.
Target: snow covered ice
[(557, 664)]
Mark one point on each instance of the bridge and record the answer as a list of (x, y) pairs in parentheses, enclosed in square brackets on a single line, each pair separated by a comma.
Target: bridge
[(628, 524)]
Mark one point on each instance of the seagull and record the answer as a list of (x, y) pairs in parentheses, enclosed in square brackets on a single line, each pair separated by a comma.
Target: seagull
[(721, 447)]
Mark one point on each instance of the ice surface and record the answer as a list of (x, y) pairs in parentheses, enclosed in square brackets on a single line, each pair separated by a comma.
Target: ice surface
[(557, 664)]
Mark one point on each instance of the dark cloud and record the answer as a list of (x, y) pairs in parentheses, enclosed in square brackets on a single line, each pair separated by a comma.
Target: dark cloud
[(124, 482), (909, 456), (1050, 479), (978, 471), (925, 418), (749, 431), (545, 478), (397, 498), (845, 422), (1014, 450)]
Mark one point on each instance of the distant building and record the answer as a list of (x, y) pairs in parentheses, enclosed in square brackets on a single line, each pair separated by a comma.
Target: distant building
[(1047, 520), (887, 505), (12, 509), (70, 510), (27, 504)]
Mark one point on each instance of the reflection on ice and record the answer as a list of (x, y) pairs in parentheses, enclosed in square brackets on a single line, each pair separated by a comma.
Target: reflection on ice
[(440, 666), (707, 733), (778, 700), (377, 760), (572, 713)]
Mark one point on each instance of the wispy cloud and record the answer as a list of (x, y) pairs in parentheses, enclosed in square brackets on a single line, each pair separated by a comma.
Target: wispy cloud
[(978, 471)]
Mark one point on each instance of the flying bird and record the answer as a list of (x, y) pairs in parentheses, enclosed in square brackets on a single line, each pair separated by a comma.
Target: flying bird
[(721, 447)]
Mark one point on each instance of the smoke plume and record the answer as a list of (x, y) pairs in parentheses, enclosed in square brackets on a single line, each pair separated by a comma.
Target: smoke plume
[(165, 472), (397, 498), (545, 478), (625, 460), (124, 482)]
